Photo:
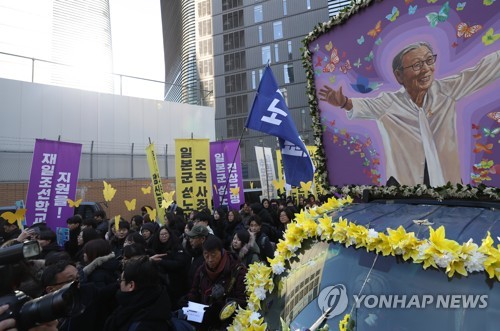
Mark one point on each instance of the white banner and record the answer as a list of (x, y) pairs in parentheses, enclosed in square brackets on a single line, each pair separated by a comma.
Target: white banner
[(266, 171)]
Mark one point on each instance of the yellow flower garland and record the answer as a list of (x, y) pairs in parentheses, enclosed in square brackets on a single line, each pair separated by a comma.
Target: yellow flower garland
[(436, 251)]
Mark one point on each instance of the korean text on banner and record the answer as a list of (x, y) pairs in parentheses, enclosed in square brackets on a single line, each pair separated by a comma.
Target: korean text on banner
[(156, 181), (192, 169), (227, 179), (53, 180), (267, 174)]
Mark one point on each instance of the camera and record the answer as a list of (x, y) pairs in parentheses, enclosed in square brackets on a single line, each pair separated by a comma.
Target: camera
[(28, 312)]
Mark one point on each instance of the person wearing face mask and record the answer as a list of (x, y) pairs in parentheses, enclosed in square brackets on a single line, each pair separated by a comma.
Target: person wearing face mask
[(418, 122)]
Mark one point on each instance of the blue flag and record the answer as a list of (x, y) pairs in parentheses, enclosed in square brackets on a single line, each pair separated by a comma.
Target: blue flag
[(269, 114)]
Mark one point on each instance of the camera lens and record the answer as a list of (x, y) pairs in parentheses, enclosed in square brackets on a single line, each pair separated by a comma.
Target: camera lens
[(64, 302)]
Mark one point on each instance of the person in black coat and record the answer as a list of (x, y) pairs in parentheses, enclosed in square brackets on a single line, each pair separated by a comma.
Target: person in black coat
[(143, 303), (172, 262), (102, 268)]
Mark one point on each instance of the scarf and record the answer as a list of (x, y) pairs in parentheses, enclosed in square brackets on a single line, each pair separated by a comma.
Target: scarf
[(214, 274)]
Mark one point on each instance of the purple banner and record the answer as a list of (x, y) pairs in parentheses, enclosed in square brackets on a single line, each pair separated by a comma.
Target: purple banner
[(227, 179), (53, 180)]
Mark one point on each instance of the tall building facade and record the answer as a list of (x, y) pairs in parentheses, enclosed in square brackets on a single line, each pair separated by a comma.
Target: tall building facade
[(235, 40)]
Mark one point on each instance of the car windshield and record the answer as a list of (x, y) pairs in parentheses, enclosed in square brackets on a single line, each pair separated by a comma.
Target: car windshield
[(386, 292)]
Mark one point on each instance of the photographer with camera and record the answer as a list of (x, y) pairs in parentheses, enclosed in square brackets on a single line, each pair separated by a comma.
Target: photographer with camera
[(219, 280), (19, 311)]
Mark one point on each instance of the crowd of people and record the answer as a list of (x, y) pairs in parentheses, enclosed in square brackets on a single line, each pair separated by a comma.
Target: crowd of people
[(139, 275)]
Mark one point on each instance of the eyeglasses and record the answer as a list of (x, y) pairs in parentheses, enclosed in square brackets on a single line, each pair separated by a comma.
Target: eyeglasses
[(420, 64)]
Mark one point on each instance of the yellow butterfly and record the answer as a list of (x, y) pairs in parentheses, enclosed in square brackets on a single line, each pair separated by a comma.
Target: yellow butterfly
[(151, 213), (279, 184), (251, 185), (146, 190), (130, 204), (18, 216), (117, 221), (165, 204), (169, 195), (108, 192), (235, 190), (306, 187), (72, 203)]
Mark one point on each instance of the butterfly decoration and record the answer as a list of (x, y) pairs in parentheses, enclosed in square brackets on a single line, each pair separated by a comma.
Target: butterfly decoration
[(475, 126), (490, 37), (376, 30), (412, 10), (151, 213), (319, 62), (251, 185), (318, 72), (495, 169), (369, 68), (108, 192), (234, 190), (376, 161), (393, 15), (466, 31), (488, 2), (378, 41), (361, 40), (484, 164), (364, 86), (146, 190), (332, 79), (316, 48), (454, 44), (477, 136), (431, 1), (332, 123), (491, 133), (441, 16), (334, 60), (335, 139), (169, 196), (18, 216), (407, 2), (495, 115), (329, 46), (130, 204), (306, 187), (74, 204), (461, 6), (422, 222), (369, 57), (483, 148), (366, 162), (279, 184), (117, 222), (345, 67), (357, 64)]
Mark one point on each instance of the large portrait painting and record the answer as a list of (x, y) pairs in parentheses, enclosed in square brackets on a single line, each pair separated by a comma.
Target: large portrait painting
[(407, 92)]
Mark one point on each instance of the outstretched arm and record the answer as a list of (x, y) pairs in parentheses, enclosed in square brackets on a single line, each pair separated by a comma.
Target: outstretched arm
[(335, 97)]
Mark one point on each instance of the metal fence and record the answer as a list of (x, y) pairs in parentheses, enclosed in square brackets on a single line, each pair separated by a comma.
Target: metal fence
[(16, 166)]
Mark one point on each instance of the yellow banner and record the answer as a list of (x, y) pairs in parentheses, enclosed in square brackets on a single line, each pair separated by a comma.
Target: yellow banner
[(298, 191), (192, 174), (156, 181)]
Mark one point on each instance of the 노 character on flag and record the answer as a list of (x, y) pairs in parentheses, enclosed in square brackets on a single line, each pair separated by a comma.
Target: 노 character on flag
[(269, 114)]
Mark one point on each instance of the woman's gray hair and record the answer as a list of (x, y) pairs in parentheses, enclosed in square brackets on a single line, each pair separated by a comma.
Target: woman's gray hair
[(397, 62)]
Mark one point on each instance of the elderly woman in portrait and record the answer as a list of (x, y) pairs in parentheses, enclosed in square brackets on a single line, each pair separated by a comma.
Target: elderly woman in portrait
[(417, 122)]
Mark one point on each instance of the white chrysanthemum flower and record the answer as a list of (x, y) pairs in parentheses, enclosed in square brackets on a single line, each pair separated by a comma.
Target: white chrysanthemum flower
[(278, 268), (475, 262), (444, 260), (260, 293), (422, 250), (372, 234), (254, 317)]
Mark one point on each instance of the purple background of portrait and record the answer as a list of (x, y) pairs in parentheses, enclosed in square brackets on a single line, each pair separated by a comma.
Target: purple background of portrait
[(354, 148)]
